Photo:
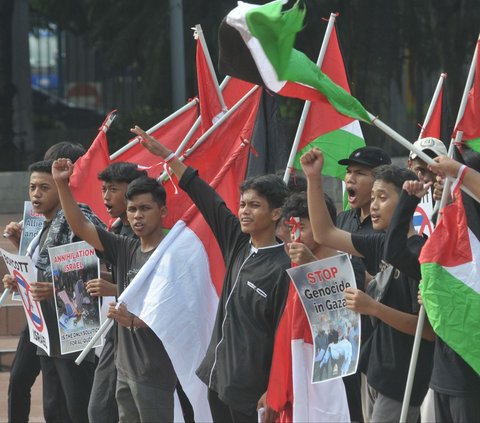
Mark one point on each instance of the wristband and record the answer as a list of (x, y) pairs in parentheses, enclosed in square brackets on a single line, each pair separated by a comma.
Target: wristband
[(170, 157)]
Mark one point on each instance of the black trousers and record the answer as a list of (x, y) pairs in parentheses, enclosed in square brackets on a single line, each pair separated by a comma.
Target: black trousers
[(223, 413), (354, 396), (66, 390), (24, 371), (456, 409)]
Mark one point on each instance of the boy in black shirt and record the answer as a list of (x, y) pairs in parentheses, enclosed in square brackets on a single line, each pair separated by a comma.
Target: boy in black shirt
[(145, 375), (115, 179), (386, 354), (237, 364)]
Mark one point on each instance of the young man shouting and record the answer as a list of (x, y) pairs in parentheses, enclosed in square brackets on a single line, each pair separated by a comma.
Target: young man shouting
[(385, 356)]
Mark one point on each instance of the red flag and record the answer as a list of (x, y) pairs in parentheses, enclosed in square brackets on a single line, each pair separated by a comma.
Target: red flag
[(84, 183), (171, 133), (208, 89), (433, 128), (229, 141), (470, 122)]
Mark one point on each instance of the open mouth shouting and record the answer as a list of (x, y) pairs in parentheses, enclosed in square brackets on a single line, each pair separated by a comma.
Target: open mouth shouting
[(351, 195)]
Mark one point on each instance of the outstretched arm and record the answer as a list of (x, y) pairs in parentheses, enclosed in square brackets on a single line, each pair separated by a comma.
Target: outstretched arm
[(158, 149), (445, 166), (62, 169), (324, 231)]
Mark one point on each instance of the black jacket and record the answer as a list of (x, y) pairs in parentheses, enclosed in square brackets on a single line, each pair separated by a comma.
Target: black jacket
[(255, 288)]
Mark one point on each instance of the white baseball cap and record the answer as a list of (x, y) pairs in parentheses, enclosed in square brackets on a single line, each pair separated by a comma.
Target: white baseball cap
[(433, 147)]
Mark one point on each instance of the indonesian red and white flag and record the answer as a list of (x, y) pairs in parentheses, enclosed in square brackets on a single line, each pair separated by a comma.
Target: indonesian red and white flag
[(176, 292)]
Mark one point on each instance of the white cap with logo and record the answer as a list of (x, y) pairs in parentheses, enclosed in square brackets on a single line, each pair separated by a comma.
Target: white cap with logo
[(433, 147)]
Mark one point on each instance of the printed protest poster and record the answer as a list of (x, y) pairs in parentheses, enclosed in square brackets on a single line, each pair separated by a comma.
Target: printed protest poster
[(335, 329), (422, 218), (24, 271), (32, 225), (78, 313)]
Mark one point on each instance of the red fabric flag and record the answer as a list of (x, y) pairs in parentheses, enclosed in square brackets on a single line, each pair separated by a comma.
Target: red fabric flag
[(171, 133), (84, 183), (470, 122), (433, 127), (229, 141), (208, 89)]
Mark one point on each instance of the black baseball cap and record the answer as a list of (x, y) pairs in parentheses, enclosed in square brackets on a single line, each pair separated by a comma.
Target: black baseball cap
[(367, 156)]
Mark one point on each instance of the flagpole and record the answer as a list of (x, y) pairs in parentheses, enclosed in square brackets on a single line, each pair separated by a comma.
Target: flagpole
[(409, 146), (4, 296), (199, 33), (438, 206), (136, 140), (458, 138), (197, 123), (220, 121), (210, 130), (306, 107), (433, 103), (106, 325)]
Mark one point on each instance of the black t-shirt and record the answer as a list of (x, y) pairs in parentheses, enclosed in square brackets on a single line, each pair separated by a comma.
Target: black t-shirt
[(140, 355), (385, 356), (349, 220)]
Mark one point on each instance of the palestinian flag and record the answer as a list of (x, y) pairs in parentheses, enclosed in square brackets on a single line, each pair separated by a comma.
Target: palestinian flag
[(335, 134), (179, 303), (451, 279), (256, 44), (470, 123)]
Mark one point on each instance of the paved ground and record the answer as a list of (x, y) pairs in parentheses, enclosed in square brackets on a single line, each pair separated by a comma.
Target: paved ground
[(9, 342)]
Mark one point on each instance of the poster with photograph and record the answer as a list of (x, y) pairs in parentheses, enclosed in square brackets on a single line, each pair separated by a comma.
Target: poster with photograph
[(335, 328), (24, 271), (78, 313), (32, 224)]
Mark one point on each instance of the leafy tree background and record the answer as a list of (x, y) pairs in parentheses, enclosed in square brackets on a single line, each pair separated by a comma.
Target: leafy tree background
[(394, 52)]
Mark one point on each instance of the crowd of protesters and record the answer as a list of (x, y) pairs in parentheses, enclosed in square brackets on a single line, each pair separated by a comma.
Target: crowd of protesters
[(134, 379)]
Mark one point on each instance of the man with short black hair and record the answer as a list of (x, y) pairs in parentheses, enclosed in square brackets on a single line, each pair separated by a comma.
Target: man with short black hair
[(237, 363), (385, 356), (115, 178), (66, 386), (145, 375), (358, 184)]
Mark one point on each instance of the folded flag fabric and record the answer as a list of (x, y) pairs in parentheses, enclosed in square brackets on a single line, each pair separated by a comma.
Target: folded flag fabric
[(450, 284), (268, 32)]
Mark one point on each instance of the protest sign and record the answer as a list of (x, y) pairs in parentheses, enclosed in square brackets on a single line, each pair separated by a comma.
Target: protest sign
[(335, 329), (24, 272), (78, 313), (32, 225), (422, 219)]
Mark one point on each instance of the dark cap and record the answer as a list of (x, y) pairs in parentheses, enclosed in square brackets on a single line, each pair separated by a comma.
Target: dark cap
[(367, 156)]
